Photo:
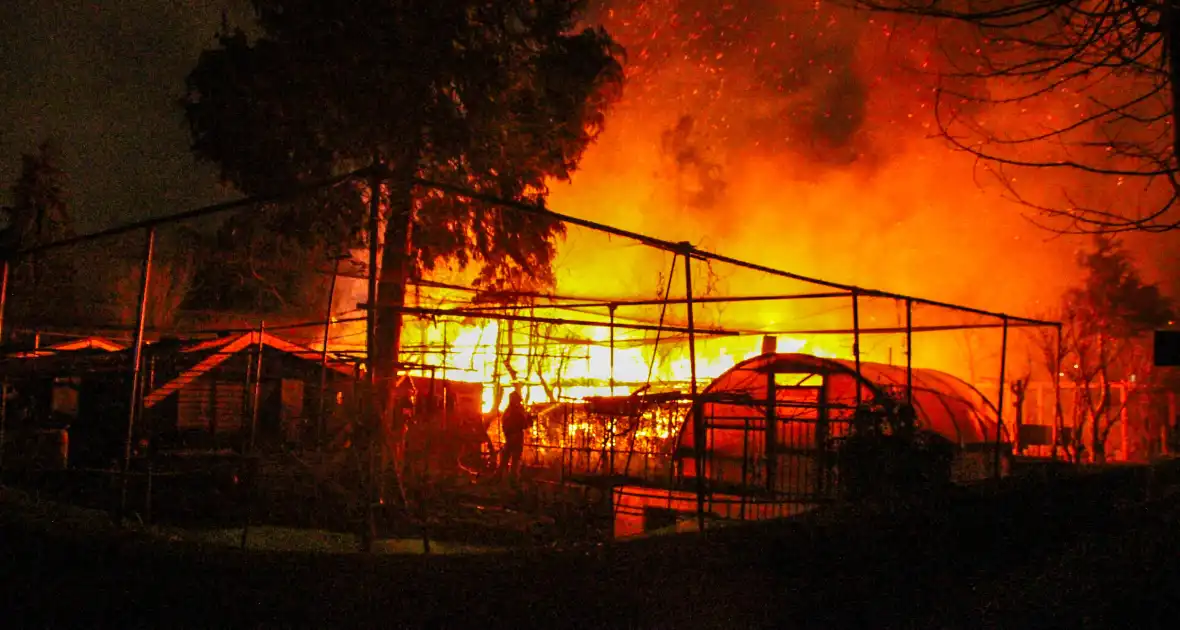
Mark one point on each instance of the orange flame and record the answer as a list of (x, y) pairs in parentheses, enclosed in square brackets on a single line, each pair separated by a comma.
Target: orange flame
[(802, 141)]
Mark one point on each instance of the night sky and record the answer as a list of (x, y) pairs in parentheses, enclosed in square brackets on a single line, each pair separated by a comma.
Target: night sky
[(101, 79)]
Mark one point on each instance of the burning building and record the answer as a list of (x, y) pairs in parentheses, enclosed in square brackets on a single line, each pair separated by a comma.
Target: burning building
[(787, 133)]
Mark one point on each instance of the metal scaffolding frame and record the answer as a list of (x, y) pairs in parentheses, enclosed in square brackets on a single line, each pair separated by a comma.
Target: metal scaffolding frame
[(686, 252)]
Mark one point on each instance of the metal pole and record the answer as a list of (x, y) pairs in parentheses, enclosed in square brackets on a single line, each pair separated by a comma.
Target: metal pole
[(856, 343), (612, 349), (909, 352), (320, 423), (1058, 420), (248, 484), (368, 531), (770, 439), (3, 296), (3, 424), (4, 385), (1000, 398), (136, 363), (698, 425), (612, 421), (146, 386), (446, 387), (256, 394)]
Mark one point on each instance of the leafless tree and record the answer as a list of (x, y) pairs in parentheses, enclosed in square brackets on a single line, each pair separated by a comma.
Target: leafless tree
[(1095, 363), (1106, 326), (1064, 85)]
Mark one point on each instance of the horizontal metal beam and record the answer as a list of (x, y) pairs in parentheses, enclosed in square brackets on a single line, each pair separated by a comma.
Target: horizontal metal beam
[(895, 330), (670, 301), (688, 249), (462, 312), (195, 213)]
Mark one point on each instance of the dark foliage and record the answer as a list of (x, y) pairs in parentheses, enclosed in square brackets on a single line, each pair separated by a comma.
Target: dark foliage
[(887, 455), (41, 284), (251, 266), (495, 96)]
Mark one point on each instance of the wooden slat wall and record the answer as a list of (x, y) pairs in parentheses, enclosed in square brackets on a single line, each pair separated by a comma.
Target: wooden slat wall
[(215, 406)]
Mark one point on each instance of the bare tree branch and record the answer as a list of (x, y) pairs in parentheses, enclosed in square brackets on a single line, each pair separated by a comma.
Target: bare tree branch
[(1067, 85)]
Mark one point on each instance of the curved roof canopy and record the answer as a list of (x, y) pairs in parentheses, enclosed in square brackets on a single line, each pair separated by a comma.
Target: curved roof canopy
[(943, 404)]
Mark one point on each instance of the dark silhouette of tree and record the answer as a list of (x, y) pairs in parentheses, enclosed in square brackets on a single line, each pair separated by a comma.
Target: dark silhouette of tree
[(250, 267), (1089, 87), (114, 282), (495, 96), (1107, 323), (41, 285)]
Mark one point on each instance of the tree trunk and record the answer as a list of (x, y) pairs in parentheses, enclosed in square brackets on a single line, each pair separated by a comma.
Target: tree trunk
[(396, 257), (1097, 438), (1081, 415)]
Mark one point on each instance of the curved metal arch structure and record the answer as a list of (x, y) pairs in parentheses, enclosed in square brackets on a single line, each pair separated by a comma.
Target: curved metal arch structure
[(768, 420)]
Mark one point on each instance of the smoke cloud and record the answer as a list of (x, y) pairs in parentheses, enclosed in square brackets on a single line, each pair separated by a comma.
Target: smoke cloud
[(801, 134)]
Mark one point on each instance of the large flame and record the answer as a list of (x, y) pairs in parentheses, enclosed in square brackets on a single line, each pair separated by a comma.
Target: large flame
[(559, 362), (791, 133)]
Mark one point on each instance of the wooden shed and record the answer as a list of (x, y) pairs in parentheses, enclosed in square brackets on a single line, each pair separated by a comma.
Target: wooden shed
[(202, 395), (81, 387)]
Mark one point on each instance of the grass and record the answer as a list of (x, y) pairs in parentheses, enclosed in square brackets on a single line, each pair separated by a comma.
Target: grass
[(272, 538), (1077, 551), (60, 519)]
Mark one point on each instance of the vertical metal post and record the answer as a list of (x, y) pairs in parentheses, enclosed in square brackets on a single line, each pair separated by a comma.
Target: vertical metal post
[(3, 423), (856, 343), (4, 383), (256, 392), (1058, 419), (446, 410), (249, 483), (1000, 398), (770, 445), (612, 348), (611, 423), (909, 352), (1123, 436), (429, 411), (3, 296), (368, 531), (148, 383), (745, 465), (698, 424), (1164, 428), (136, 363), (247, 387), (321, 423)]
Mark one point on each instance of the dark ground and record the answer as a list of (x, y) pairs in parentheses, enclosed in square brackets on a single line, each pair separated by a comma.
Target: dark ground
[(1077, 552)]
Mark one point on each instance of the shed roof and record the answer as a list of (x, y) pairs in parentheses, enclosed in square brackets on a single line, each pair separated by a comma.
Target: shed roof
[(219, 351)]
